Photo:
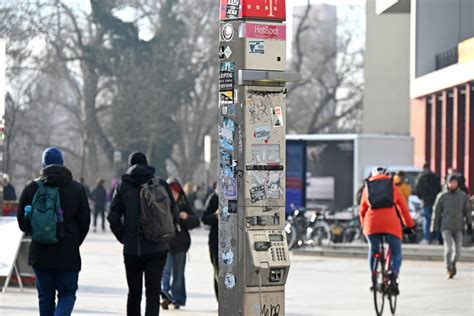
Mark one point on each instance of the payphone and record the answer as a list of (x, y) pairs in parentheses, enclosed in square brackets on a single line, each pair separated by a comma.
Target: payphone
[(254, 262)]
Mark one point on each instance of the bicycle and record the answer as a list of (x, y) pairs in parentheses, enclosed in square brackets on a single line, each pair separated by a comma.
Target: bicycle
[(380, 279)]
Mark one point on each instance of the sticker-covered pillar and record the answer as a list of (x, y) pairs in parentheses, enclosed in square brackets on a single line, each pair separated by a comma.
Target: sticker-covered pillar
[(253, 254)]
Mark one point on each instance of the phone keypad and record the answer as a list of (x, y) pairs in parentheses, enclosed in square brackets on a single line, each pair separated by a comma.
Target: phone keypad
[(278, 253)]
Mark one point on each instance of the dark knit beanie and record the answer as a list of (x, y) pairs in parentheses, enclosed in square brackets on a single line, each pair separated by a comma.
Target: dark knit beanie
[(52, 156), (137, 158)]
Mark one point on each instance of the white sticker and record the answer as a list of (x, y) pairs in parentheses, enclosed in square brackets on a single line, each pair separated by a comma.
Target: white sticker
[(228, 52), (225, 215), (228, 257), (257, 47), (229, 281), (227, 33)]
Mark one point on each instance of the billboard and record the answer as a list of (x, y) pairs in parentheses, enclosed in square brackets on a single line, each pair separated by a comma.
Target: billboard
[(295, 175), (329, 174)]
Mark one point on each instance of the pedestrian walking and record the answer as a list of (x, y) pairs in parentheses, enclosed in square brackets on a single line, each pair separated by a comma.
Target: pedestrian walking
[(173, 283), (451, 208), (427, 188), (57, 228), (210, 217), (461, 178), (401, 181), (141, 218), (9, 193), (99, 197)]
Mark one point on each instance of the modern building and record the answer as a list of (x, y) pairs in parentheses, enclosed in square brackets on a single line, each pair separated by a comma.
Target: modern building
[(387, 73), (441, 81)]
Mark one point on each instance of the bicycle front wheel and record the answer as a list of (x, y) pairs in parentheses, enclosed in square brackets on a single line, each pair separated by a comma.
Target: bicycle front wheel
[(378, 286), (393, 303)]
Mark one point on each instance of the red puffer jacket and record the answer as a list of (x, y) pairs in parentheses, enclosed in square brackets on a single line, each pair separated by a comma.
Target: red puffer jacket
[(384, 220)]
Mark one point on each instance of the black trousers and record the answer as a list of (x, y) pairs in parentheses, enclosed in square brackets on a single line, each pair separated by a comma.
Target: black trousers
[(152, 266), (99, 211), (213, 251)]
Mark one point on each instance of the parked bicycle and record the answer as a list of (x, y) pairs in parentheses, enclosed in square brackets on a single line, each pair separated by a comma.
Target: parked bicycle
[(307, 228), (381, 270)]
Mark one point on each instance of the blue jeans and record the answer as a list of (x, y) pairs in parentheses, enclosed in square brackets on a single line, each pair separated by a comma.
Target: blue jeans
[(395, 245), (173, 282), (49, 282), (427, 211)]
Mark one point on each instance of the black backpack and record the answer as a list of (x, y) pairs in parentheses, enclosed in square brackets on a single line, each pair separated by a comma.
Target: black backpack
[(380, 193), (156, 216)]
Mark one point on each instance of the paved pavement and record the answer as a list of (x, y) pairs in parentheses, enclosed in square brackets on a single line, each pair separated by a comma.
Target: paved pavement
[(317, 286)]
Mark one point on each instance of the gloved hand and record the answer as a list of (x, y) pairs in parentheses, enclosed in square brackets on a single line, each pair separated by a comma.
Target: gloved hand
[(409, 231), (469, 229)]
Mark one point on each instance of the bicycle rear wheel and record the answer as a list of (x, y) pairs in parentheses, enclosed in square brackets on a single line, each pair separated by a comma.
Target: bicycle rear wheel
[(378, 286), (393, 303)]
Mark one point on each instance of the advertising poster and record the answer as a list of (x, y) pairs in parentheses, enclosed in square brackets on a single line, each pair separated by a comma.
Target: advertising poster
[(330, 172)]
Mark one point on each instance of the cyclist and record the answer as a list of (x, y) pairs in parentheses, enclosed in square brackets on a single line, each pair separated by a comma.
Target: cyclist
[(382, 211)]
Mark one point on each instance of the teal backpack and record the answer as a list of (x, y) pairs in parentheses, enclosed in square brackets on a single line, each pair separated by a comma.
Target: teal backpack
[(46, 216)]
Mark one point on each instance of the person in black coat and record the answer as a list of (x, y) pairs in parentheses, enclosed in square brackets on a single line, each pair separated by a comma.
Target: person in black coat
[(9, 193), (142, 257), (211, 217), (99, 196), (173, 284), (57, 265), (427, 187)]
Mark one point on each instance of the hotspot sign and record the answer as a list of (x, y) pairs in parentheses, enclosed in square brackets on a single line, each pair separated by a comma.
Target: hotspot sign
[(264, 31)]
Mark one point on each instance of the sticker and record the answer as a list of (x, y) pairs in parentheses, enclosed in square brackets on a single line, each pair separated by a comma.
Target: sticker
[(229, 281), (224, 214), (256, 47), (228, 257), (227, 66), (230, 188), (226, 97), (277, 116), (273, 186), (227, 32), (236, 96), (221, 52), (265, 154), (226, 133), (226, 159), (226, 76), (257, 193), (232, 207), (229, 110), (227, 52), (229, 124), (262, 134), (232, 10), (226, 144)]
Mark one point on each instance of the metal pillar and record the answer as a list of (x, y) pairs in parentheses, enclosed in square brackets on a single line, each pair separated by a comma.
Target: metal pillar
[(253, 253)]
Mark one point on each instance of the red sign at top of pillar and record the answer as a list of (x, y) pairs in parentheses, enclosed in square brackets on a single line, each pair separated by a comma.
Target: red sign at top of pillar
[(253, 9)]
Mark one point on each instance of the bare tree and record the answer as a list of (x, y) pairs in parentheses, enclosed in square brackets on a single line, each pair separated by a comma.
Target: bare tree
[(329, 54), (198, 118)]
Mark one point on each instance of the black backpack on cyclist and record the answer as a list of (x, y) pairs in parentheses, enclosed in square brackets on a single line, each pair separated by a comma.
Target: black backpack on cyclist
[(380, 193)]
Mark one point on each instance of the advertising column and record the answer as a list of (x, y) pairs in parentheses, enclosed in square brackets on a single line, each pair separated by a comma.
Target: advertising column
[(253, 253)]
